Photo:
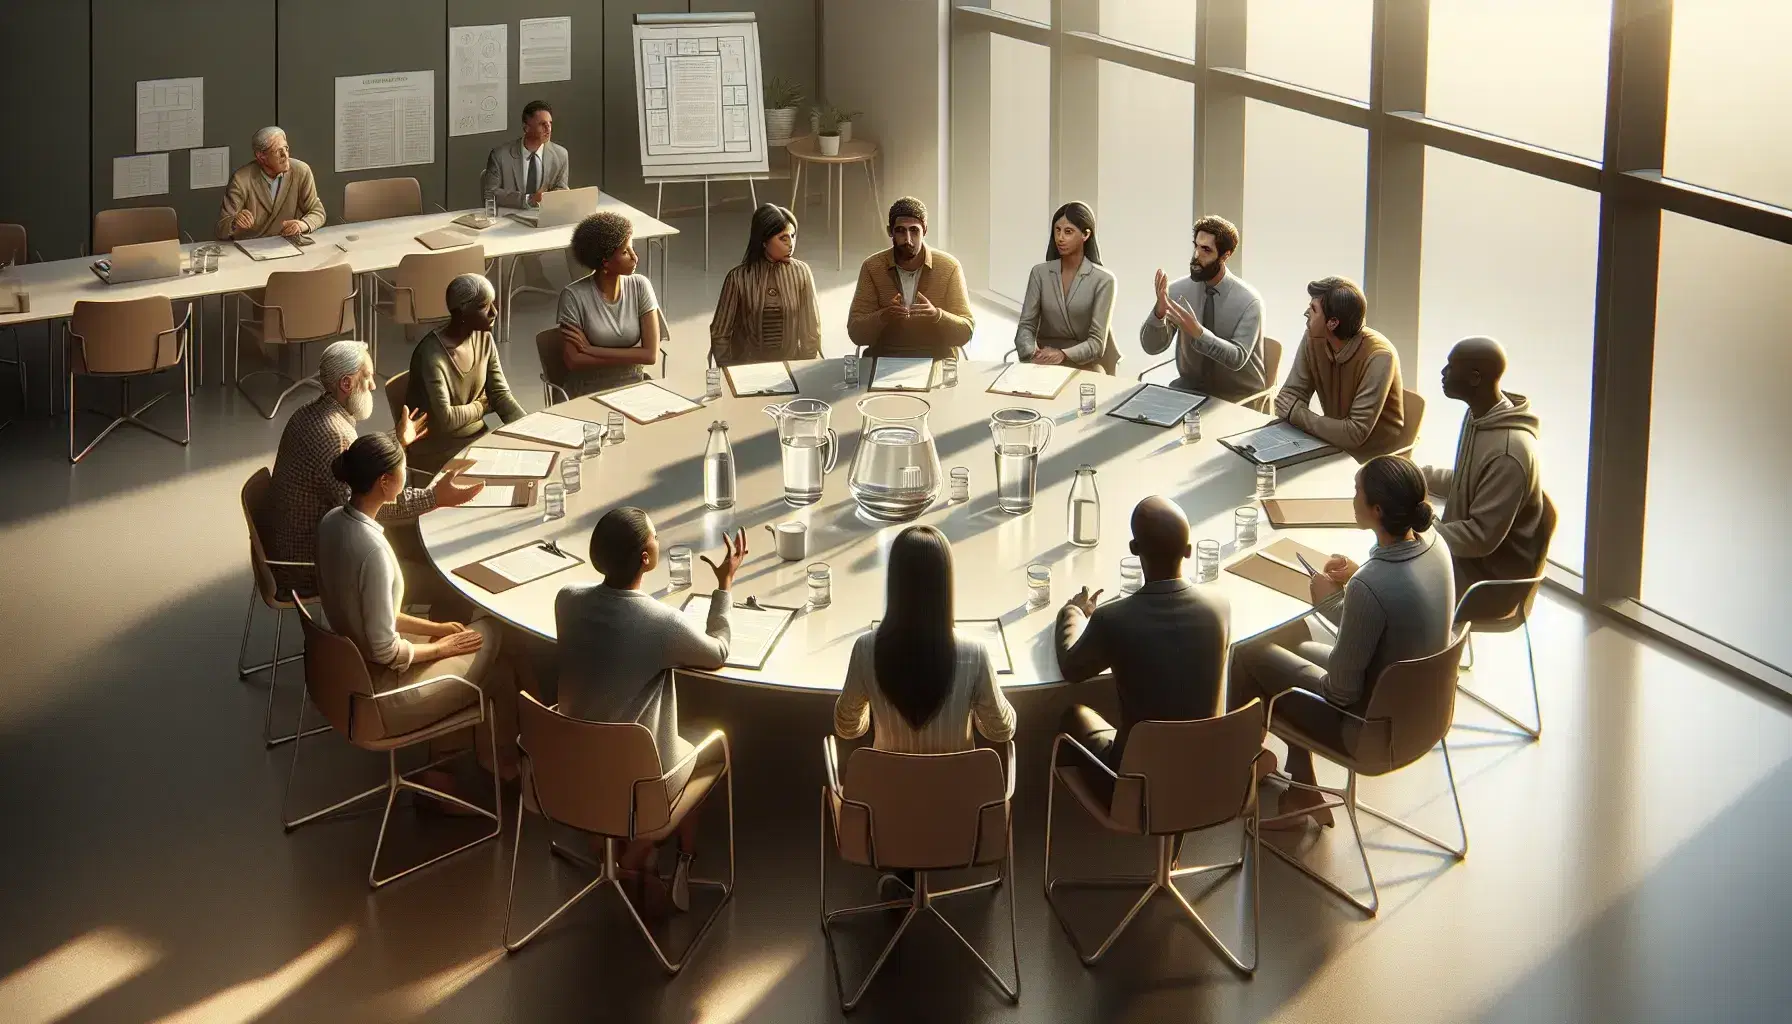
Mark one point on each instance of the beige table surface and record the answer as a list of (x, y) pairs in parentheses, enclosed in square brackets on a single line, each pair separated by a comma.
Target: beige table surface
[(658, 468)]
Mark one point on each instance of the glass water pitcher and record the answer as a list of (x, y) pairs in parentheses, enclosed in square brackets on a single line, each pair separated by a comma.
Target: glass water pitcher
[(807, 447), (895, 472)]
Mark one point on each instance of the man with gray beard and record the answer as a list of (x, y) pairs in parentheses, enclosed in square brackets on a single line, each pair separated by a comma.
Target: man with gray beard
[(303, 487)]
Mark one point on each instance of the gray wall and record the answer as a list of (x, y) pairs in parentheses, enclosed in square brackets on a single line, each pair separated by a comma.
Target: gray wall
[(43, 54), (909, 123)]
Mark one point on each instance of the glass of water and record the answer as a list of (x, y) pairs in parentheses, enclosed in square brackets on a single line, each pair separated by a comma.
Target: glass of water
[(572, 474), (961, 484), (553, 501), (678, 566), (1266, 481), (712, 382), (1132, 574), (1085, 398), (949, 372), (821, 585), (1039, 585), (594, 441), (617, 428), (1244, 525), (1191, 426), (1207, 561), (849, 369), (491, 207)]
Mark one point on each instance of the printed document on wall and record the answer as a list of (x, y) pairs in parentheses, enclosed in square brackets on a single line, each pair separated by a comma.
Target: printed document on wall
[(544, 50), (208, 168), (134, 176), (385, 120), (170, 114), (699, 96), (478, 67)]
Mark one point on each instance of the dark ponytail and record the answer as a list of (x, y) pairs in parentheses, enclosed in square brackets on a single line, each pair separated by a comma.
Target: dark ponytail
[(1393, 484), (369, 458)]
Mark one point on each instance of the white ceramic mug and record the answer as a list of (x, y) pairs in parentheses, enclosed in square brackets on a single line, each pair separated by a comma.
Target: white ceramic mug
[(792, 540)]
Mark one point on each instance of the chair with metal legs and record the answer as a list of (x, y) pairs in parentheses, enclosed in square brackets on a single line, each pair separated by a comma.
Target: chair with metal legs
[(924, 813), (297, 308), (1504, 606), (416, 295), (1409, 712), (1174, 778), (267, 591), (607, 779), (338, 683), (14, 249), (124, 340)]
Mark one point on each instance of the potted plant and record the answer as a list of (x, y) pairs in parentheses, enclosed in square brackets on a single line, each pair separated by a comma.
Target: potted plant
[(782, 98), (846, 118), (827, 131)]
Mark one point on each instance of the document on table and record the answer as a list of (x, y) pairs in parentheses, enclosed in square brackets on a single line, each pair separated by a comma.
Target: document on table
[(275, 248), (761, 379), (478, 67), (987, 632), (530, 562), (170, 114), (901, 373), (385, 120), (1157, 406), (646, 402), (753, 630), (1276, 443), (521, 463), (544, 50), (502, 496), (548, 429), (1032, 380)]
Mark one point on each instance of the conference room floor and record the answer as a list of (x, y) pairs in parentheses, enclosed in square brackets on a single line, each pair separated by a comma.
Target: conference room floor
[(1627, 867)]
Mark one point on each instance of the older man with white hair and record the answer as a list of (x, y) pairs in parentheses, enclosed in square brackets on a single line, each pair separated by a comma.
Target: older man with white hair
[(456, 376), (304, 488), (271, 195)]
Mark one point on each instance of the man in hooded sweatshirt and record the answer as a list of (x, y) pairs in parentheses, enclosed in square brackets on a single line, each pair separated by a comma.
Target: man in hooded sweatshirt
[(1494, 518)]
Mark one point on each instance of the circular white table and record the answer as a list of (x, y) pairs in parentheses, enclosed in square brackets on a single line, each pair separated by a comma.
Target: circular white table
[(659, 469)]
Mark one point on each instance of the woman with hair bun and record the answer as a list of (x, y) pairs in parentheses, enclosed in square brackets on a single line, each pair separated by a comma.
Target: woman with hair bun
[(1395, 607)]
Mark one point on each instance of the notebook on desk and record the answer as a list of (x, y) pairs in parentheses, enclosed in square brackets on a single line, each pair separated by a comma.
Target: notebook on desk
[(560, 208), (446, 238), (1278, 567), (145, 261)]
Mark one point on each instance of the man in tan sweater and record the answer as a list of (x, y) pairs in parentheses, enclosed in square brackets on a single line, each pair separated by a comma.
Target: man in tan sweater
[(273, 195), (1353, 369), (911, 298)]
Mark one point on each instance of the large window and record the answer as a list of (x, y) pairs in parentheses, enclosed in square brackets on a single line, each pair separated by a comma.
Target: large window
[(1019, 156), (1167, 26), (1320, 44), (1728, 89), (1532, 70)]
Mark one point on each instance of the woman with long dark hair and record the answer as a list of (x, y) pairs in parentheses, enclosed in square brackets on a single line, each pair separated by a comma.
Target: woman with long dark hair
[(1397, 606), (919, 683), (1065, 317), (767, 308)]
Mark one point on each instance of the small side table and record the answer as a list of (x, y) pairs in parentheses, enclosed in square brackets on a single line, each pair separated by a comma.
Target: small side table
[(807, 150)]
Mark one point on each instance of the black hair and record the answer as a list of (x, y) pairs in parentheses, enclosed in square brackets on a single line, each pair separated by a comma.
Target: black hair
[(618, 540), (769, 221), (1083, 219), (534, 107), (914, 652), (1340, 299), (1224, 232), (908, 206), (369, 458), (598, 237), (1393, 484)]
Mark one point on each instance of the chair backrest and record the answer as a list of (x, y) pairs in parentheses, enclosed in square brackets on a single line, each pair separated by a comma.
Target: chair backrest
[(590, 774), (133, 224), (924, 811), (255, 499), (381, 198), (1493, 602), (421, 282), (125, 336), (1410, 710), (398, 394), (335, 673), (551, 350), (1413, 415), (1196, 773), (312, 304), (13, 248), (1272, 361)]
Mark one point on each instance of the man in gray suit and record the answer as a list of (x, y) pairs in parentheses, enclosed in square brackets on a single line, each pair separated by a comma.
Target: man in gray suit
[(1165, 644), (518, 172)]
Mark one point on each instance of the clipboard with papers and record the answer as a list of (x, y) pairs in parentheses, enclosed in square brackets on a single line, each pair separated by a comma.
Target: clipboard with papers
[(1278, 443), (903, 373), (1157, 406), (646, 402), (522, 564), (753, 379), (279, 247), (504, 463), (1277, 566), (548, 428), (990, 634), (1031, 380), (753, 629)]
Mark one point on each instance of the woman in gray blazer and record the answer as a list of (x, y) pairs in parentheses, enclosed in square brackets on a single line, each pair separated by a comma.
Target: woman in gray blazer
[(1070, 299)]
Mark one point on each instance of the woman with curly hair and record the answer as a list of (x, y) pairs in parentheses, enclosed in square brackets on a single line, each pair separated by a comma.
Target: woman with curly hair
[(767, 308), (610, 319)]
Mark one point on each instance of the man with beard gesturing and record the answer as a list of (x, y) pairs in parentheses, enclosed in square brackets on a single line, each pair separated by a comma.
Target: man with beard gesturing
[(1215, 318), (911, 298)]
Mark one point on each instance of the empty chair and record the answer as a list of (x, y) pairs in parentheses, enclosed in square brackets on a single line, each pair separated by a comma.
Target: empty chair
[(608, 780), (13, 251), (1504, 606), (263, 588), (1174, 777), (417, 292), (126, 339), (381, 198), (298, 307), (338, 683), (925, 813), (1409, 712), (132, 225)]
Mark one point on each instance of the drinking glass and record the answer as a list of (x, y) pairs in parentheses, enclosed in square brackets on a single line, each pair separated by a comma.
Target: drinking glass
[(1244, 525), (678, 566), (618, 428), (1039, 585), (961, 484), (849, 368), (491, 207), (712, 382), (1132, 574), (572, 474), (594, 441), (949, 372), (1191, 426), (1085, 398), (1266, 481), (1207, 561), (553, 501), (821, 585)]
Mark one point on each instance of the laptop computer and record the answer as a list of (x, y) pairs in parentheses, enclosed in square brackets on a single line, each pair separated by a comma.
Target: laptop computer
[(146, 261), (560, 208)]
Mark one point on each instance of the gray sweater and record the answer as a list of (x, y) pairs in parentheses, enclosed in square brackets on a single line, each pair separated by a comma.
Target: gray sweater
[(1397, 607), (1226, 359)]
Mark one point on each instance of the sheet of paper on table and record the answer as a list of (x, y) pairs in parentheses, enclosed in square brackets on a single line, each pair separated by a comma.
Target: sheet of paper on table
[(987, 632), (1274, 442), (547, 428), (752, 631), (509, 462), (646, 402), (1158, 406), (275, 248), (902, 373), (761, 379), (501, 496), (528, 563), (1032, 380)]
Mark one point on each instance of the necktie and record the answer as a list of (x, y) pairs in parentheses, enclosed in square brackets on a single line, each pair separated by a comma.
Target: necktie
[(532, 184), (1207, 312)]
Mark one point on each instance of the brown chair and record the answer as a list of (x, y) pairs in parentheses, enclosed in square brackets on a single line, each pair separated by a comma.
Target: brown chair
[(550, 351), (14, 250), (417, 292), (298, 307), (131, 225), (1504, 606), (925, 813), (339, 684), (381, 198), (1174, 778), (1409, 712), (1413, 407), (608, 779), (264, 588), (126, 339)]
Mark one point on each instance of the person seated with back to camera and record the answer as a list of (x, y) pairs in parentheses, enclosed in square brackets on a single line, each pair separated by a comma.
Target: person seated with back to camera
[(456, 370), (618, 649), (767, 310), (609, 319), (1064, 320)]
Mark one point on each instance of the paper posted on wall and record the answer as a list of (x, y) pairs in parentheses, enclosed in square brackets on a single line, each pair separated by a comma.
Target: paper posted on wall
[(170, 114), (385, 120), (544, 50), (478, 67)]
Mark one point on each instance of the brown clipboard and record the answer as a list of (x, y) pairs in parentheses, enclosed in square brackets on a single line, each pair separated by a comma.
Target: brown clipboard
[(1284, 513), (1276, 575), (599, 399), (477, 574)]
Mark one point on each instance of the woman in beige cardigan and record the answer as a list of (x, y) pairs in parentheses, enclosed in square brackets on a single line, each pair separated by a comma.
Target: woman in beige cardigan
[(456, 375), (767, 309), (1070, 299)]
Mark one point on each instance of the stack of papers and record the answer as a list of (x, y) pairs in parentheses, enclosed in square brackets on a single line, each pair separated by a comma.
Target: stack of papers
[(548, 429), (646, 402), (1031, 380), (752, 631), (761, 379), (901, 373), (521, 463)]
